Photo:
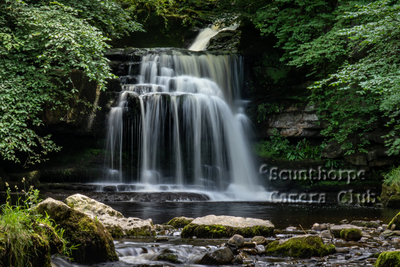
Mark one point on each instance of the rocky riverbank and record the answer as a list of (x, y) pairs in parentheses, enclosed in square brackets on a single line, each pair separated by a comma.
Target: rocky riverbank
[(215, 240)]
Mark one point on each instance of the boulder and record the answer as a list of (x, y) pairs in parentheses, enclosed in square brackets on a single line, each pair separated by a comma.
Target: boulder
[(351, 234), (343, 230), (94, 242), (217, 257), (227, 40), (390, 196), (212, 226), (113, 220), (303, 246), (388, 259), (180, 222), (235, 242), (259, 240)]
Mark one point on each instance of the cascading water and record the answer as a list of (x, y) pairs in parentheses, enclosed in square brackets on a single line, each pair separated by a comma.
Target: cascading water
[(179, 127)]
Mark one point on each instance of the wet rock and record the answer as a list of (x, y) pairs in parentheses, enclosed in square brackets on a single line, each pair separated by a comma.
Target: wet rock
[(162, 239), (346, 231), (169, 255), (218, 257), (212, 226), (388, 259), (316, 227), (95, 242), (235, 242), (304, 246), (326, 234), (369, 224), (343, 250), (113, 220), (180, 222), (351, 234), (259, 240), (395, 223), (260, 249), (227, 40), (389, 233), (110, 188)]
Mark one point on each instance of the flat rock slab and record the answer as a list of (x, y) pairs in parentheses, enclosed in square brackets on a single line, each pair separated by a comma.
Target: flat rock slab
[(113, 220), (336, 229), (212, 226)]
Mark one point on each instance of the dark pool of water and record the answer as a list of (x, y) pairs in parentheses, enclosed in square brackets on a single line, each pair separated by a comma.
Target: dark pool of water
[(281, 215)]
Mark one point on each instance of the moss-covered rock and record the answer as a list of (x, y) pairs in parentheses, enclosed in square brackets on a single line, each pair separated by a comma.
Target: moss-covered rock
[(43, 242), (395, 221), (305, 246), (113, 220), (351, 234), (369, 224), (212, 226), (336, 230), (180, 222), (94, 242), (388, 259), (390, 196)]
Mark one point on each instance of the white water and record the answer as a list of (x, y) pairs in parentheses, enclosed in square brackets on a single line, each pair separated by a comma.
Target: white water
[(181, 125), (201, 41)]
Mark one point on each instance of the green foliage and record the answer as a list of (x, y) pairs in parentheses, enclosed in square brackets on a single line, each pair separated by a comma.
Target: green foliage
[(393, 177), (40, 44), (365, 87), (279, 147), (20, 225), (265, 109)]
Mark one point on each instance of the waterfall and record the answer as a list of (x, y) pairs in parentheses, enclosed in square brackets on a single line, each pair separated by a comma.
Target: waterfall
[(182, 126), (201, 41)]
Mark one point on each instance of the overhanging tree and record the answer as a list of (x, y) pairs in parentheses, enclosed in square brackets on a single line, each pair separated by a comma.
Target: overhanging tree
[(40, 44)]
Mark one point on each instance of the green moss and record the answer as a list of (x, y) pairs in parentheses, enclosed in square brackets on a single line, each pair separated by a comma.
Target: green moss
[(388, 259), (300, 247), (140, 232), (351, 234), (220, 231), (115, 231), (179, 222), (95, 243), (396, 221)]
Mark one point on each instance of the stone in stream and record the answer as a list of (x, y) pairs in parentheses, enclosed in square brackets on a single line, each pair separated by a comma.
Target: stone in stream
[(394, 223), (95, 243), (113, 220), (235, 242), (388, 259), (212, 226), (218, 257), (346, 231), (180, 222), (303, 246), (259, 240), (368, 224)]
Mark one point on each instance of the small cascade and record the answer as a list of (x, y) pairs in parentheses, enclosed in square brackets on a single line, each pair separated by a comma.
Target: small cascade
[(183, 124), (201, 41)]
